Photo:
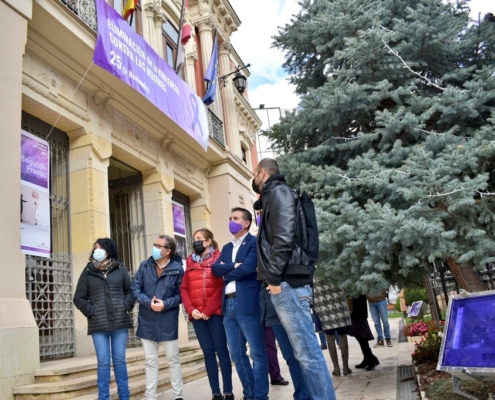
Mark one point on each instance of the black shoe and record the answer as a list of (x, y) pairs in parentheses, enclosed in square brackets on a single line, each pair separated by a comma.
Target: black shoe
[(280, 382), (373, 362), (217, 397), (229, 396), (363, 364), (324, 346)]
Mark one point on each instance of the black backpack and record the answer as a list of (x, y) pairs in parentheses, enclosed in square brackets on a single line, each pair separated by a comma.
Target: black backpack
[(307, 226)]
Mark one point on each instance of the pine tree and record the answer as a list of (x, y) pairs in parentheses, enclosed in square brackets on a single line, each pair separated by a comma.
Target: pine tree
[(395, 136)]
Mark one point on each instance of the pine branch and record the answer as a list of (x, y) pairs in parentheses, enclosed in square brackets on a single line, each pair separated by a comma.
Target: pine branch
[(430, 83)]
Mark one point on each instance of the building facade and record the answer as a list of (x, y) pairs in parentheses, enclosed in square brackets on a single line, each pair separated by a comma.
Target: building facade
[(118, 164)]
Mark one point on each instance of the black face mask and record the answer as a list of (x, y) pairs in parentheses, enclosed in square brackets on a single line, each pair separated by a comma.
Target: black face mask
[(198, 247), (256, 187)]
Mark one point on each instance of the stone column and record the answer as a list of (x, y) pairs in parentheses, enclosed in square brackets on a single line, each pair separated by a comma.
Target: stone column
[(229, 113), (205, 28), (149, 29), (19, 349), (157, 198), (90, 219), (159, 20), (191, 58)]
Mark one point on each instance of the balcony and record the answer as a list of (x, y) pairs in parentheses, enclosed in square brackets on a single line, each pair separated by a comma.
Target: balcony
[(84, 9), (215, 127)]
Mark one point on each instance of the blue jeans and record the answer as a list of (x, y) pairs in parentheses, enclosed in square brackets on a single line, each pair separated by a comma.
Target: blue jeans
[(241, 328), (379, 310), (292, 306), (300, 390), (213, 342), (113, 343)]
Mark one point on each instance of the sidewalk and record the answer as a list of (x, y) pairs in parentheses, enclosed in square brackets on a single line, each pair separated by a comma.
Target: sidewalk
[(380, 384)]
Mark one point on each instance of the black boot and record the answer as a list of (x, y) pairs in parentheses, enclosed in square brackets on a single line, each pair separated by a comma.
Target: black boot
[(372, 363), (363, 364)]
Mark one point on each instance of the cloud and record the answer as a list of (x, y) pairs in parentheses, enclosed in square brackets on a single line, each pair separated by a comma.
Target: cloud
[(253, 41)]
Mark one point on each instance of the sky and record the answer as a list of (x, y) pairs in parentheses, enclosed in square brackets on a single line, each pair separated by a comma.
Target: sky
[(268, 81)]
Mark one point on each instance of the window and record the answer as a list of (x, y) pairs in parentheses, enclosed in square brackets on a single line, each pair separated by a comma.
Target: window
[(118, 5), (170, 37), (244, 155)]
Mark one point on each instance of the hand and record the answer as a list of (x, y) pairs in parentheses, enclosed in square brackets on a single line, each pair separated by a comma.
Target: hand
[(197, 314), (236, 265), (206, 318), (157, 304), (274, 289)]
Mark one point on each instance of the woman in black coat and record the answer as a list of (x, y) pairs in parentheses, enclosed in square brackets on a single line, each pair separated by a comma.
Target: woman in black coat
[(103, 295), (360, 329)]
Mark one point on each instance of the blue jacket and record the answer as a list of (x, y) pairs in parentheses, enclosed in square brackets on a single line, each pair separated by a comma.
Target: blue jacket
[(247, 286), (158, 326)]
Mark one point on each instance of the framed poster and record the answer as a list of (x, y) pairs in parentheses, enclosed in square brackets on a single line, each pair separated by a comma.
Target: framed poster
[(179, 219), (35, 196)]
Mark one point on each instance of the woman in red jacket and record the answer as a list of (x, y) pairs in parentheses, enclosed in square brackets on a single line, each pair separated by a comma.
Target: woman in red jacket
[(201, 293)]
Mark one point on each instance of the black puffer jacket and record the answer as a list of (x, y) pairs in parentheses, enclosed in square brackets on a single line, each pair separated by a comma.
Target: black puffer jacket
[(105, 299), (279, 256)]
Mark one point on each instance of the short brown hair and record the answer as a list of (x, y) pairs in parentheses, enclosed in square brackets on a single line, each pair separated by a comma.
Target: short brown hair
[(269, 165), (246, 215)]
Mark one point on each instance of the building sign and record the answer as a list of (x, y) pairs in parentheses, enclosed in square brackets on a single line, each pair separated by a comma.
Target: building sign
[(415, 309), (35, 200), (122, 52), (180, 230)]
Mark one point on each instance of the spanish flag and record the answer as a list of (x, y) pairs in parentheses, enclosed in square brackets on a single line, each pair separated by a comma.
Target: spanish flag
[(130, 7)]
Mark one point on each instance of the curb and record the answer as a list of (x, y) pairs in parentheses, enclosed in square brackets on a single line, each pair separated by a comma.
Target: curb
[(422, 394)]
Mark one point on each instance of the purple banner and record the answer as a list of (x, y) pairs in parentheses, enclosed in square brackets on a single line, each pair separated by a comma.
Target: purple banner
[(35, 196), (122, 52), (179, 219), (34, 161)]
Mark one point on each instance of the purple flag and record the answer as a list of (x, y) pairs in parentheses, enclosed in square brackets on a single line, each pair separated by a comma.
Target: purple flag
[(122, 52)]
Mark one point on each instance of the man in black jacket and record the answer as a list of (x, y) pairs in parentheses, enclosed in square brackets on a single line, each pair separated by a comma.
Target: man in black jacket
[(287, 277)]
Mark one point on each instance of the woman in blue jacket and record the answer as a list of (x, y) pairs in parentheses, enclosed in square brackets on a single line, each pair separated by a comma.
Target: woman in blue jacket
[(103, 295), (156, 287)]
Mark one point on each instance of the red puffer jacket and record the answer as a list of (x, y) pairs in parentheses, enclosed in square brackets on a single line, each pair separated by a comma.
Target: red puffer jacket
[(200, 289)]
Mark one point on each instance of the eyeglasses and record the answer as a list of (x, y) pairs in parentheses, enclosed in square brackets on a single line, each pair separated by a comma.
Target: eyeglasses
[(159, 246)]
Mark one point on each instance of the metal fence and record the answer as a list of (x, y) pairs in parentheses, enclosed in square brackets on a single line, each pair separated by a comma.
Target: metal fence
[(215, 126)]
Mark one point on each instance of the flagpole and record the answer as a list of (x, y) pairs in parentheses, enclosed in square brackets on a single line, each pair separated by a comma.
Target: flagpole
[(181, 24)]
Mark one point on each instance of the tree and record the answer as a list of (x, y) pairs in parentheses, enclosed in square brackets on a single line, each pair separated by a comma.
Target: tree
[(394, 135)]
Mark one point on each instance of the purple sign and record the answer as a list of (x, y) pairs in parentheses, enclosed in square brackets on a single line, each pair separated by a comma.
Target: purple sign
[(122, 52), (34, 161), (179, 219), (35, 196)]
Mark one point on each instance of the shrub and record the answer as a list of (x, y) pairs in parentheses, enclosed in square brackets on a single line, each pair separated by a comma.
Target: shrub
[(416, 329), (412, 295), (428, 348)]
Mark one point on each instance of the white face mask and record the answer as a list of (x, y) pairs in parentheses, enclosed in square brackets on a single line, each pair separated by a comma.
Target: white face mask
[(99, 255)]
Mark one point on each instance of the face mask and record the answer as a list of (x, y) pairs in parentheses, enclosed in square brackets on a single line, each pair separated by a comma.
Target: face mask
[(99, 254), (198, 247), (256, 187), (234, 227), (258, 220), (156, 253)]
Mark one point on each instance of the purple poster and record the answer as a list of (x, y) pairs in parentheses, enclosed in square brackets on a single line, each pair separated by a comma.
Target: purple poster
[(35, 196), (122, 52), (179, 219)]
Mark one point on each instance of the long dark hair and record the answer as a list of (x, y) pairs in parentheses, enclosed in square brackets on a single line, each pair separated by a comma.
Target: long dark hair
[(109, 246)]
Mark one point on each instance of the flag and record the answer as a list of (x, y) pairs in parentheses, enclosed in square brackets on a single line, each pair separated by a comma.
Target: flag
[(184, 36), (211, 76), (130, 7)]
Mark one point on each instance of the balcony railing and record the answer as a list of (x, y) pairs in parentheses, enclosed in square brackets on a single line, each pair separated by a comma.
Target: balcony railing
[(84, 9), (216, 128)]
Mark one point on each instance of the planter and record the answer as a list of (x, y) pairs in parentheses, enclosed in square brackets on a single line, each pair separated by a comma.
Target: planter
[(412, 339)]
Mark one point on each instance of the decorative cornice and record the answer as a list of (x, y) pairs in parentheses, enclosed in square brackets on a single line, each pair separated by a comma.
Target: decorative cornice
[(246, 114), (129, 134), (44, 91)]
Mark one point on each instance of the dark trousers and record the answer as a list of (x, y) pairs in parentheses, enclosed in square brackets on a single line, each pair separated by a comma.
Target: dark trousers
[(213, 341), (271, 353)]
